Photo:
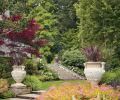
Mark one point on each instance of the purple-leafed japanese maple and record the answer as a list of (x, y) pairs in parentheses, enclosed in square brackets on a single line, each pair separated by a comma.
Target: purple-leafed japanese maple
[(92, 53), (19, 44)]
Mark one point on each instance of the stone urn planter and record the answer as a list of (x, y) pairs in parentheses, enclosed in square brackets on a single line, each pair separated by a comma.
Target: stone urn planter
[(18, 75), (94, 68), (94, 71)]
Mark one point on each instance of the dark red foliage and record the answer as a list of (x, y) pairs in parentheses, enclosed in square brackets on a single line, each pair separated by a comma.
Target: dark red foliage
[(1, 30), (41, 42), (32, 51), (12, 52), (92, 53), (25, 36), (2, 53), (1, 42), (15, 18), (33, 25)]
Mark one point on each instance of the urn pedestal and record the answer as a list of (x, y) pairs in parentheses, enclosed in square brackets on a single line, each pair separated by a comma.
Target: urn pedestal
[(18, 75)]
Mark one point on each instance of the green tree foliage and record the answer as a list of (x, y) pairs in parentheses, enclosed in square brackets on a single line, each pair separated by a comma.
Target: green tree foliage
[(19, 7), (43, 13), (66, 15), (15, 6), (99, 24), (99, 21), (70, 39)]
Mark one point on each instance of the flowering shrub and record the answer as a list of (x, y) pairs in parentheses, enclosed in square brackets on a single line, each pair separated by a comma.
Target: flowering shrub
[(85, 91)]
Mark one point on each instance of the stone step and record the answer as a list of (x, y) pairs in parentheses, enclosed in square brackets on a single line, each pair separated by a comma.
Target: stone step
[(32, 96), (28, 96), (38, 92), (64, 73), (17, 99)]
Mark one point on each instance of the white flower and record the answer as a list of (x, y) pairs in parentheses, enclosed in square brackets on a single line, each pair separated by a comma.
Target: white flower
[(7, 13)]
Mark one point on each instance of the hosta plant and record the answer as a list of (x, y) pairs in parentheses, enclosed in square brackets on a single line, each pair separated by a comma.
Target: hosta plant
[(84, 91)]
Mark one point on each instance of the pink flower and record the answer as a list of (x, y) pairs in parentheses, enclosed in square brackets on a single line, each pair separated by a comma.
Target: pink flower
[(105, 88)]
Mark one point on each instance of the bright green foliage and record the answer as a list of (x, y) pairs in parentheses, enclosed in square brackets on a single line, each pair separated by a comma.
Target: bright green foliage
[(33, 82), (73, 58), (112, 77), (45, 74), (43, 15)]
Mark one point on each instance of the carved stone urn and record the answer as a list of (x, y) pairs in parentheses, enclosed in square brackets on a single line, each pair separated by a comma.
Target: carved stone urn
[(94, 71), (18, 75)]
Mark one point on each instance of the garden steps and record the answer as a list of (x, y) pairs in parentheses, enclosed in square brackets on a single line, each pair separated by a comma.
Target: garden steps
[(28, 96), (32, 96), (16, 99), (38, 92), (64, 73)]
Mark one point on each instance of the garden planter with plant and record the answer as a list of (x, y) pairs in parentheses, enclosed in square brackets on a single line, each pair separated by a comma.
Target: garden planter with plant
[(94, 67), (19, 42)]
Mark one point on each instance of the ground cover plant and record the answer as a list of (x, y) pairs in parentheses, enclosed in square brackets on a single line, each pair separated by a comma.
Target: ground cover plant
[(84, 91)]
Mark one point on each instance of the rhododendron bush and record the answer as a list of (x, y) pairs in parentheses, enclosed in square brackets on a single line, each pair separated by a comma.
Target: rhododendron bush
[(19, 38), (85, 91)]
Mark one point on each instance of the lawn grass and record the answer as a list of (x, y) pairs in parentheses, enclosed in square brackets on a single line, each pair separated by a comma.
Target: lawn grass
[(46, 85)]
